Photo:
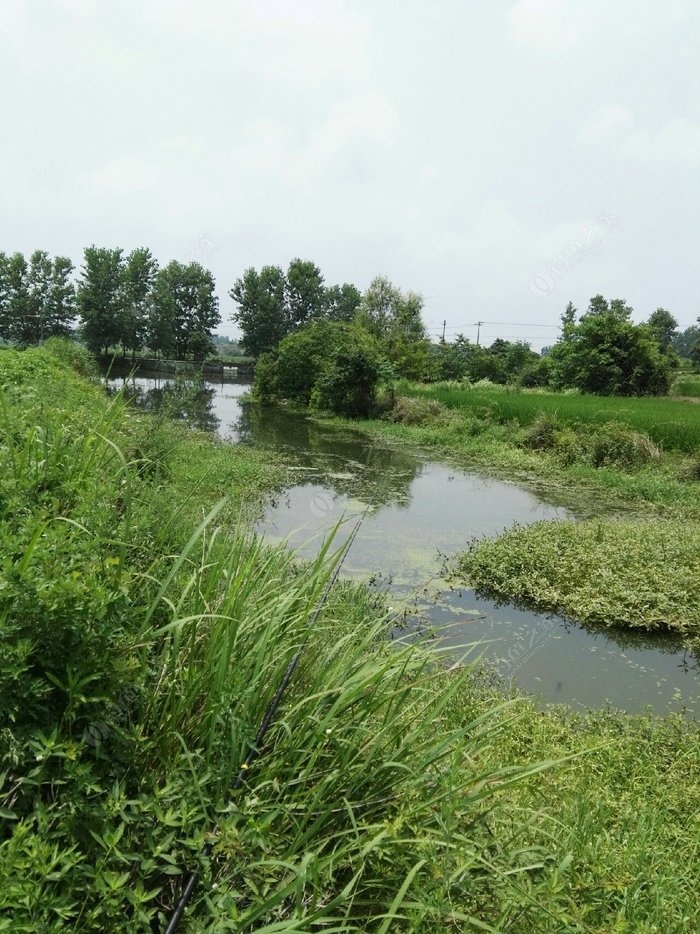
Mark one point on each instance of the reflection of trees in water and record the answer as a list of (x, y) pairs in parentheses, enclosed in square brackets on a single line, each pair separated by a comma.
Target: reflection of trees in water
[(667, 643), (341, 458), (187, 400)]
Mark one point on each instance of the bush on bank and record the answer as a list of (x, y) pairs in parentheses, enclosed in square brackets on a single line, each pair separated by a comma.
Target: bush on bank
[(329, 365)]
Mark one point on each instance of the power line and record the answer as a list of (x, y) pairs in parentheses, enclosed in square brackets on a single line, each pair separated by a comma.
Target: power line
[(498, 324)]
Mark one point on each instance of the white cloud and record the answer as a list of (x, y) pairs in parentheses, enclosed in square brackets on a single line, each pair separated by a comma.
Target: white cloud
[(607, 120), (453, 146), (677, 141), (552, 25)]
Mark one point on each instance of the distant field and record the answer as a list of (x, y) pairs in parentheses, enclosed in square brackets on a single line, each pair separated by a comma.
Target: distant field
[(233, 359), (671, 423), (687, 386)]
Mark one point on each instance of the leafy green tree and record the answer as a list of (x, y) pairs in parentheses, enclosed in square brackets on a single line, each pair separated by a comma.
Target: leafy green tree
[(606, 354), (449, 359), (695, 355), (261, 310), (485, 364), (342, 302), (62, 310), (184, 311), (14, 292), (305, 293), (377, 311), (271, 304), (568, 321), (48, 298), (30, 329), (663, 327), (512, 357), (4, 297), (684, 342), (395, 321), (300, 358), (332, 365), (139, 273), (348, 383), (101, 298)]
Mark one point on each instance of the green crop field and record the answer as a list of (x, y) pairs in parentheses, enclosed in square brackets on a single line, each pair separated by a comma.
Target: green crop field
[(671, 423), (687, 386)]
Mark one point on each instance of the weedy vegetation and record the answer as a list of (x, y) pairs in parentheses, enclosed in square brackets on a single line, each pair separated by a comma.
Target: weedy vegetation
[(668, 422)]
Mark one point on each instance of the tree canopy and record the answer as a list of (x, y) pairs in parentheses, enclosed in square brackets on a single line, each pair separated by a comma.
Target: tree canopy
[(184, 311), (37, 299), (605, 353), (394, 319), (270, 304), (331, 365)]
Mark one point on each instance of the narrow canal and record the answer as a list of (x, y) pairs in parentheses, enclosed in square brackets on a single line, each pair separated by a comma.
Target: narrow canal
[(420, 514)]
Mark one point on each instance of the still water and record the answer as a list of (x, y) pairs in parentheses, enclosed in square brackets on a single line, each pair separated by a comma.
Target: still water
[(419, 514)]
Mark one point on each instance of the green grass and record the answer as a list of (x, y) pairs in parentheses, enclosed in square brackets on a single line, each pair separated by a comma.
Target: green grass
[(671, 423), (623, 820), (142, 634)]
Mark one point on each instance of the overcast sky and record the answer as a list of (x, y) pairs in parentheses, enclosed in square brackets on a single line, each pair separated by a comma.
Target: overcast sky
[(456, 146)]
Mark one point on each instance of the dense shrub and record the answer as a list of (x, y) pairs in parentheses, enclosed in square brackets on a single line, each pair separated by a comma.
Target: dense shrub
[(330, 365), (543, 433), (605, 353), (610, 444)]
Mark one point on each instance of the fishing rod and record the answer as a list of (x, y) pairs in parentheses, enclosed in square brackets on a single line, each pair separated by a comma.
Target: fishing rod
[(256, 748)]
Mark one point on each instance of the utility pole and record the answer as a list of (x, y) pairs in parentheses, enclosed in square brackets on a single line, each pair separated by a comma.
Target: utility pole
[(478, 331), (443, 331)]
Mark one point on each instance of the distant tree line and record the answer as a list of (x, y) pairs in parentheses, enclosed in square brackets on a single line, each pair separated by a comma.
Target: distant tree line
[(125, 301), (600, 351), (119, 301), (328, 346)]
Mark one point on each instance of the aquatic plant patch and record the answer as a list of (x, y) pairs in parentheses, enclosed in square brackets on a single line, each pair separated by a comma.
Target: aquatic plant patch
[(639, 574)]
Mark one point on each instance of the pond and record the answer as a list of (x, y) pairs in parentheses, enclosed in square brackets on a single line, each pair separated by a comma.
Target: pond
[(419, 514)]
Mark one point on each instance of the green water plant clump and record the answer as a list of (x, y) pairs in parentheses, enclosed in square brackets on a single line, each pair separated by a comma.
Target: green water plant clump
[(644, 575)]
